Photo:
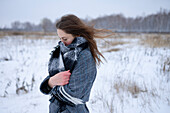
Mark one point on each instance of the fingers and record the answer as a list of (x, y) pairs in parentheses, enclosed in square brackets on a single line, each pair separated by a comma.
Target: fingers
[(62, 78), (66, 73), (66, 78), (66, 81)]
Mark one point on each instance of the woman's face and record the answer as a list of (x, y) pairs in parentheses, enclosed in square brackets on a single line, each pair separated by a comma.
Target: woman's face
[(64, 37)]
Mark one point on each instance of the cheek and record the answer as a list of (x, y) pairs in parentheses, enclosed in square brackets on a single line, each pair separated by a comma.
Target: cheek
[(67, 43)]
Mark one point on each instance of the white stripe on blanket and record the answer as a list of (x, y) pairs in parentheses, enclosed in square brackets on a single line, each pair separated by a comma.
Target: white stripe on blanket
[(74, 100)]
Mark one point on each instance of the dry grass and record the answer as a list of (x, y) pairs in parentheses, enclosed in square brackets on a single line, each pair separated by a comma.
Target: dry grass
[(130, 87), (107, 44), (11, 33), (30, 35), (117, 100), (111, 50), (166, 65), (35, 37), (156, 40), (148, 39), (145, 39)]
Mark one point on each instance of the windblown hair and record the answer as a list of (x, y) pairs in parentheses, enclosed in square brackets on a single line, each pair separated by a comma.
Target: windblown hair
[(71, 24)]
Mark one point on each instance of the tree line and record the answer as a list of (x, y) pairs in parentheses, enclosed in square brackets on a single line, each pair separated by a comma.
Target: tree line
[(159, 22)]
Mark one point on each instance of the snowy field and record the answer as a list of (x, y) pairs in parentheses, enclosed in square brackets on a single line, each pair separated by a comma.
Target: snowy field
[(134, 79)]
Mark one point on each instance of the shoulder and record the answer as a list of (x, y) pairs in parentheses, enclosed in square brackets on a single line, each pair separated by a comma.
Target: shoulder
[(85, 63), (86, 59), (86, 54)]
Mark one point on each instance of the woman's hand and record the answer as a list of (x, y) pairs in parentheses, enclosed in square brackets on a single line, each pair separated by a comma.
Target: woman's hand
[(60, 79)]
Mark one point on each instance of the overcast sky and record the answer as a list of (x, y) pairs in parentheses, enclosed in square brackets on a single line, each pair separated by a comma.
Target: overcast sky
[(34, 10)]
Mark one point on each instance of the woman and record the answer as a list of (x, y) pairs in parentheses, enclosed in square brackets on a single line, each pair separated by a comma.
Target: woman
[(72, 66)]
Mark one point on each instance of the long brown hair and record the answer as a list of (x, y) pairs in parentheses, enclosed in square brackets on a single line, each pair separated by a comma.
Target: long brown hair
[(71, 24)]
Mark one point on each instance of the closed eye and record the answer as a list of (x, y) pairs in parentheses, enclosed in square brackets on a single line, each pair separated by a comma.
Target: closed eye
[(63, 38)]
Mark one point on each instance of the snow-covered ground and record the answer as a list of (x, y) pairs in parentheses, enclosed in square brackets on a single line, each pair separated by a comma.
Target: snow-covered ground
[(134, 79)]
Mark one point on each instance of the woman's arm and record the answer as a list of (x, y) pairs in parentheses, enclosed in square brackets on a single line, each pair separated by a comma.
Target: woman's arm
[(80, 83), (58, 79)]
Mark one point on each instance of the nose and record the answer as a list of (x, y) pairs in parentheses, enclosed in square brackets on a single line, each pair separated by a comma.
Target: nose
[(63, 41)]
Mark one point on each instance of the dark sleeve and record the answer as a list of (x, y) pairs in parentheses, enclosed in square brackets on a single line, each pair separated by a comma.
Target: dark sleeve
[(44, 87), (80, 83)]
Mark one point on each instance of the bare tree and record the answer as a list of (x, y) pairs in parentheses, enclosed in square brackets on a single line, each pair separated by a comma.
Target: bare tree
[(47, 25), (16, 25)]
